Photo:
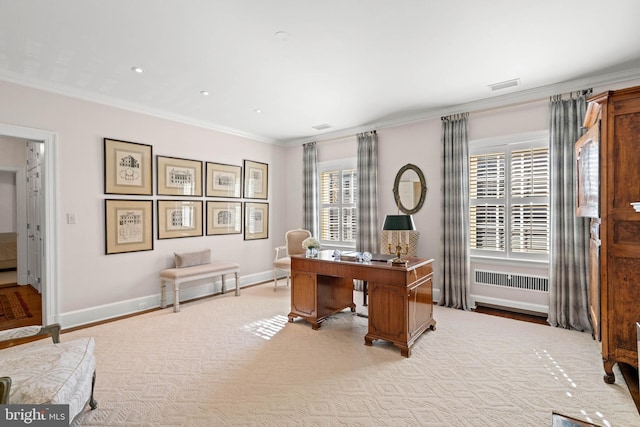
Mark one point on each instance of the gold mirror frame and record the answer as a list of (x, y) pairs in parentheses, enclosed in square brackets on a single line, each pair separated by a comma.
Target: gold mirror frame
[(423, 189)]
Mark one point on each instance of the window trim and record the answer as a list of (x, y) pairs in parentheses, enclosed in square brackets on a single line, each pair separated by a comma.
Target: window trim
[(509, 143), (326, 166)]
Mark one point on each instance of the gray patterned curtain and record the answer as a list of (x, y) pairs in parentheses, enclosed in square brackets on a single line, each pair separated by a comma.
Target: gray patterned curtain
[(569, 263), (455, 212), (367, 205), (310, 179)]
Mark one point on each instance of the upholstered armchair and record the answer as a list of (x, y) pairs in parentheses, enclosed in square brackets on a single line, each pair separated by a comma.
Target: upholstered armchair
[(293, 246), (41, 373)]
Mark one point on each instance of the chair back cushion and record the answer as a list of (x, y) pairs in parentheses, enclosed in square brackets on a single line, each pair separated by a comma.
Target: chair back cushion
[(294, 240)]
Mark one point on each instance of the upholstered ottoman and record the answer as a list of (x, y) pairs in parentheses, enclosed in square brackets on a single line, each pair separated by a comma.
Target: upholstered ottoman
[(46, 373)]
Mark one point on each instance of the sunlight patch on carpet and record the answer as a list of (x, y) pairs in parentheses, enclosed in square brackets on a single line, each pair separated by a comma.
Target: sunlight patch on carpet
[(267, 328), (559, 374)]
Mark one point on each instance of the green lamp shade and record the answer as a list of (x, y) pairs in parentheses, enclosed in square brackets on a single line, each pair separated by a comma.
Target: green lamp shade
[(398, 222)]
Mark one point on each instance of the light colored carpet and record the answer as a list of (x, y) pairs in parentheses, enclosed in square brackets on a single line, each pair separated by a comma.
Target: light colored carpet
[(236, 361)]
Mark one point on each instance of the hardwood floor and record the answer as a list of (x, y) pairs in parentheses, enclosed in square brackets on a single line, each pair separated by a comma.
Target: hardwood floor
[(511, 314), (32, 299)]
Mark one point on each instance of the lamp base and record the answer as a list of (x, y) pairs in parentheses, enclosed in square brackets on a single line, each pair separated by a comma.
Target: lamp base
[(398, 262)]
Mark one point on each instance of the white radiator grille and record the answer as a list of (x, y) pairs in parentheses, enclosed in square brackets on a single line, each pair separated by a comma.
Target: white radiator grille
[(510, 280)]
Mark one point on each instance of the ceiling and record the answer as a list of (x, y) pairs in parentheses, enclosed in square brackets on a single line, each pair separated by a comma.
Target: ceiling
[(275, 69)]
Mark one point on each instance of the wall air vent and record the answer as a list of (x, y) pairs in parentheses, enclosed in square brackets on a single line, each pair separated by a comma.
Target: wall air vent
[(510, 280), (322, 126), (505, 84)]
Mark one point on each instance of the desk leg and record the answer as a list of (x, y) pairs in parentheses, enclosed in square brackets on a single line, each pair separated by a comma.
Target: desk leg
[(365, 292)]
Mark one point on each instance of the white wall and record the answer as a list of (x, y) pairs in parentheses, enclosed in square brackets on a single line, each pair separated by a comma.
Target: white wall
[(419, 143), (91, 282), (89, 278)]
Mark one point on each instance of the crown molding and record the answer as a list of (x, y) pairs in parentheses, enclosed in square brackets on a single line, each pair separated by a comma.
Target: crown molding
[(135, 108), (495, 102)]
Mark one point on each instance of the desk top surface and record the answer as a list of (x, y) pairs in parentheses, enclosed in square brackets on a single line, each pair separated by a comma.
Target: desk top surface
[(327, 256)]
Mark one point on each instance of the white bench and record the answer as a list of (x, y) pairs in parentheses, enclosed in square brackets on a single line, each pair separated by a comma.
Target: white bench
[(186, 271)]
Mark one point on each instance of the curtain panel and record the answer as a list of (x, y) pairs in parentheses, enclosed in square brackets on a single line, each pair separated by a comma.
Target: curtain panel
[(569, 258), (454, 229), (310, 190), (367, 204)]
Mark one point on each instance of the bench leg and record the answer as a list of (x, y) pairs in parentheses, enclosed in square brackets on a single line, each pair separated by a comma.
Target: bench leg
[(224, 285), (176, 298), (163, 294), (237, 287)]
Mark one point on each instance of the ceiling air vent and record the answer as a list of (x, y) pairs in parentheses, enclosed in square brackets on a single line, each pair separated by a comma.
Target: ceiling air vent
[(505, 84), (322, 126)]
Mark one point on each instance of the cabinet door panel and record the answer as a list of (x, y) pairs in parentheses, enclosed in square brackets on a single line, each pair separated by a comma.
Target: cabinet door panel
[(303, 294), (386, 307), (420, 307)]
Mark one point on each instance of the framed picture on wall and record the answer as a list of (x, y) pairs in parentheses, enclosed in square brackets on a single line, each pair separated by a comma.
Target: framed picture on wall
[(127, 168), (179, 218), (223, 180), (256, 179), (128, 226), (256, 221), (178, 177), (224, 218)]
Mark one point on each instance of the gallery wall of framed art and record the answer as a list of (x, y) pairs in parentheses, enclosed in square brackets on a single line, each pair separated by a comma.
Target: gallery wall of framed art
[(129, 223)]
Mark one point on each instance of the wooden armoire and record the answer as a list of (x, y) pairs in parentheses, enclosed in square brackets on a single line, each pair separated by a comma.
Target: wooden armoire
[(608, 167)]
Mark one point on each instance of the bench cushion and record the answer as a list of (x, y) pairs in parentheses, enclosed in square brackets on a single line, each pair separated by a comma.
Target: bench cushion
[(196, 270), (51, 373), (189, 259)]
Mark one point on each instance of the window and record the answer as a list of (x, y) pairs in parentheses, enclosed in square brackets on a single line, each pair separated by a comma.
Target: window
[(509, 200), (338, 197)]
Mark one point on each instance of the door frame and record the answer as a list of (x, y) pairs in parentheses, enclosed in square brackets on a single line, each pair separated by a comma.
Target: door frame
[(50, 272)]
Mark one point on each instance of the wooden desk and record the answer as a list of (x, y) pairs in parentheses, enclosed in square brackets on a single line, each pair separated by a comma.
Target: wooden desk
[(400, 298)]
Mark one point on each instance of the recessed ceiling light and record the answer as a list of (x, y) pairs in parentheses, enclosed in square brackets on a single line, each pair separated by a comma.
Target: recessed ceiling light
[(257, 110), (322, 126), (136, 69), (204, 92), (283, 36)]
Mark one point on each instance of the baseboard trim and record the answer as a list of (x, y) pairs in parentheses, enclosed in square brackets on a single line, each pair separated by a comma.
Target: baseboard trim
[(101, 313), (474, 300)]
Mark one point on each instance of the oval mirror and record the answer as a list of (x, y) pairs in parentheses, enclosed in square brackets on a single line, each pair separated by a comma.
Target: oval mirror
[(409, 189)]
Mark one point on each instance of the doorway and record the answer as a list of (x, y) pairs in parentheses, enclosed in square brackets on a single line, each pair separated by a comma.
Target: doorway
[(48, 228)]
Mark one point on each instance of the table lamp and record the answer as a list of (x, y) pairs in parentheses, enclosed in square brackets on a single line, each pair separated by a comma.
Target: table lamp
[(399, 223)]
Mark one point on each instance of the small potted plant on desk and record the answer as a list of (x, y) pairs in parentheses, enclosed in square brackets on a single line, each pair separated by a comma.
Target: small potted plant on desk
[(312, 245)]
